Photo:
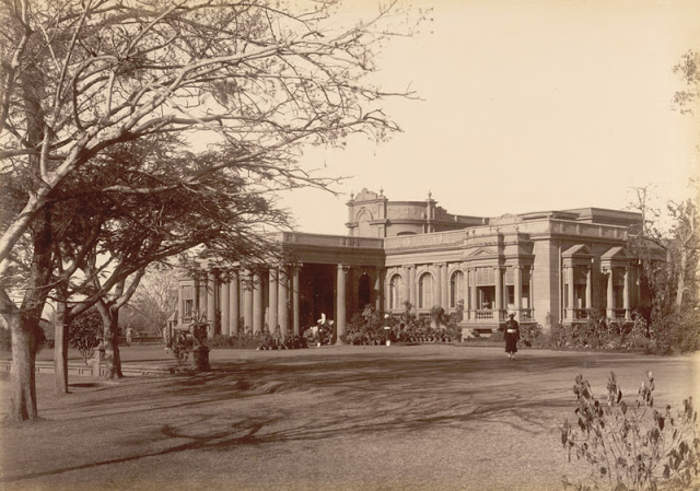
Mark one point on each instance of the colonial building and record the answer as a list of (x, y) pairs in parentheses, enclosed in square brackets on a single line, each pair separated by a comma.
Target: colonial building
[(545, 267)]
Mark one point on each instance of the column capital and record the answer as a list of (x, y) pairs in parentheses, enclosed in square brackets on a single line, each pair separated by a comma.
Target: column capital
[(344, 267)]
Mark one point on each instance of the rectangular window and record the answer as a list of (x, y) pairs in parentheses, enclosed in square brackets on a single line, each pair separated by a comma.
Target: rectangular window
[(510, 291), (187, 310)]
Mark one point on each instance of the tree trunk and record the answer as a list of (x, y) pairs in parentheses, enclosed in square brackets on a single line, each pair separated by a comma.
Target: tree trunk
[(22, 376), (110, 320), (60, 349), (680, 287)]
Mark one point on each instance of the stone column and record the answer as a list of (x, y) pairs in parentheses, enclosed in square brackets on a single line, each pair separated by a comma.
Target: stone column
[(611, 295), (379, 289), (570, 293), (283, 299), (518, 287), (247, 300), (413, 284), (473, 292), (295, 299), (211, 303), (180, 305), (272, 309), (531, 292), (626, 293), (340, 302), (445, 301), (589, 286), (202, 294), (257, 302), (498, 273), (195, 293), (233, 302), (437, 292), (226, 309), (408, 289)]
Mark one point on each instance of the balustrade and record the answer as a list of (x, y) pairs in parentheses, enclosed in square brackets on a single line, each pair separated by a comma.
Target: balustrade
[(527, 314)]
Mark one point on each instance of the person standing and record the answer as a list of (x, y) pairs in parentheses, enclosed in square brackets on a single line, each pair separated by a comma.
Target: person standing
[(511, 336)]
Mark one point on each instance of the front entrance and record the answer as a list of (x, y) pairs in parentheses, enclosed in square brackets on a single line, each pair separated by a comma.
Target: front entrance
[(317, 292), (364, 291)]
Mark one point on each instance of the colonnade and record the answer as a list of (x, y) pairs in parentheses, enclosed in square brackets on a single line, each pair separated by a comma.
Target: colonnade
[(610, 301), (233, 300)]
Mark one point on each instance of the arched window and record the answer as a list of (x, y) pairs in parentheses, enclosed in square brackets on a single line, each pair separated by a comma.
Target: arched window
[(425, 291), (456, 288), (395, 292)]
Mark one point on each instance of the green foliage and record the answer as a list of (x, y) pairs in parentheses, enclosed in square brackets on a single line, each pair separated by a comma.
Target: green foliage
[(85, 333), (631, 446)]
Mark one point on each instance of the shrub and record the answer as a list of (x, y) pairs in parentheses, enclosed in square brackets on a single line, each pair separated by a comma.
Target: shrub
[(181, 344), (85, 333), (243, 340), (276, 343), (631, 446), (601, 335), (676, 332), (368, 328), (531, 335)]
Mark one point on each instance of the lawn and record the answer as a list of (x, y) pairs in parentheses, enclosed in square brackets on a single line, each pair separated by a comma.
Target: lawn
[(399, 417)]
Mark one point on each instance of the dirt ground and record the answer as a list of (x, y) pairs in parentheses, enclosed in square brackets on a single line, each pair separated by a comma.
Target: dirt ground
[(399, 417)]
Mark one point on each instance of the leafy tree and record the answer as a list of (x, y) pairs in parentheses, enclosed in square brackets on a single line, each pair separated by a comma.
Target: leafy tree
[(81, 79)]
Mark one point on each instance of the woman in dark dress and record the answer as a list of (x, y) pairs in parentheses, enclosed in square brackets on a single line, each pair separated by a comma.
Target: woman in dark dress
[(511, 335)]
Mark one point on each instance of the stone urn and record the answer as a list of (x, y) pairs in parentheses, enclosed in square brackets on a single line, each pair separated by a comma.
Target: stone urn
[(200, 350), (200, 358)]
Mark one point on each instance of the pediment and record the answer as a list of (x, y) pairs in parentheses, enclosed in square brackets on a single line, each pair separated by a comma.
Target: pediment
[(578, 250), (484, 251), (617, 252)]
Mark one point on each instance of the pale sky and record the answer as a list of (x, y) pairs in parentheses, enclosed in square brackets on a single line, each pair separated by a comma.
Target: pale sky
[(528, 105)]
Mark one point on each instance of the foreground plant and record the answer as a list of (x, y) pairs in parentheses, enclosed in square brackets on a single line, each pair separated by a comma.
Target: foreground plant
[(631, 446)]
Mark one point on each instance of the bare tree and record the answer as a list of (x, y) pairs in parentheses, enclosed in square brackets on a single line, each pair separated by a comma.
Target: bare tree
[(80, 77), (156, 297)]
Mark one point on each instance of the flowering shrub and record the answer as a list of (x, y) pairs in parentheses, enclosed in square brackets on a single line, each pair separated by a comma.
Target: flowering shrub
[(631, 446)]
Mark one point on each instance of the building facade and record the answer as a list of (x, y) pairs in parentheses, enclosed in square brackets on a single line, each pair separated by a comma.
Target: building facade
[(545, 267)]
